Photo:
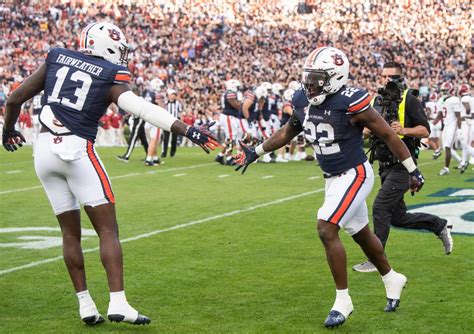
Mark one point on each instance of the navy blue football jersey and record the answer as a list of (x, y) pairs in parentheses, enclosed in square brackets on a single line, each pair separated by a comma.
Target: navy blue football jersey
[(337, 143), (253, 110), (77, 88), (227, 108)]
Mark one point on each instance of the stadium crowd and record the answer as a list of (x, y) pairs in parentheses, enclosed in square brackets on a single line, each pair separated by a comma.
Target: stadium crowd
[(195, 46)]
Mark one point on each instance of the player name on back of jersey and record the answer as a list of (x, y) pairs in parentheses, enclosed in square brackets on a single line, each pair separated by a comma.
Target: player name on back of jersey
[(79, 64)]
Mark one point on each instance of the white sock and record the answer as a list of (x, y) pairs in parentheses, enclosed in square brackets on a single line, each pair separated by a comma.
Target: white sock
[(343, 302), (119, 305), (388, 276), (148, 158), (87, 306), (394, 283), (155, 157)]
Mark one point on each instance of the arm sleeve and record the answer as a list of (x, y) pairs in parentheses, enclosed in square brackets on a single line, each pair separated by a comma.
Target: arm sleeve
[(360, 102), (147, 111)]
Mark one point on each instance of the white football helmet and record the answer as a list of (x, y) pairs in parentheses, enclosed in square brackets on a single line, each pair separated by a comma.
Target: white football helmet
[(288, 94), (156, 84), (232, 85), (325, 71), (277, 88), (267, 85), (106, 40), (295, 85), (261, 92)]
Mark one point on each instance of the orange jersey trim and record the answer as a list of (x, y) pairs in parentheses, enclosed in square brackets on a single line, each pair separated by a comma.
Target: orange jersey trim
[(360, 105)]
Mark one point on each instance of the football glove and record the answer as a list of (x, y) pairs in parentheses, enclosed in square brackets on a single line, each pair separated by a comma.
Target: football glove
[(416, 181), (246, 157), (11, 138), (203, 137)]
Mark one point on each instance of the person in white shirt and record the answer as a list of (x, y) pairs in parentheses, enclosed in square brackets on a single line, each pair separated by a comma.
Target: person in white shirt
[(467, 126), (450, 112), (432, 109)]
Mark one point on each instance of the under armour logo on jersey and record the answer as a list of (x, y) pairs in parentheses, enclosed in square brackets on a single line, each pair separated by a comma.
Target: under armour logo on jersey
[(196, 135), (57, 140), (327, 112)]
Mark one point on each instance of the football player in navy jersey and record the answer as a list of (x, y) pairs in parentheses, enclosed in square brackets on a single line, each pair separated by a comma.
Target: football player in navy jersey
[(333, 123), (78, 87), (229, 120)]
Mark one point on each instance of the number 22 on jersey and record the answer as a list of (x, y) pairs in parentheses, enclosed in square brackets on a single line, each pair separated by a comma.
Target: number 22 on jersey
[(322, 137), (80, 92)]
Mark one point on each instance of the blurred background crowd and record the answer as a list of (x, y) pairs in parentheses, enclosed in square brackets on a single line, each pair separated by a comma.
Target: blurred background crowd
[(195, 46)]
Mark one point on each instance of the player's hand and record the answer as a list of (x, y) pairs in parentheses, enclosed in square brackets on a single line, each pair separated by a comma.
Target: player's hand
[(416, 181), (203, 137), (246, 157), (11, 138)]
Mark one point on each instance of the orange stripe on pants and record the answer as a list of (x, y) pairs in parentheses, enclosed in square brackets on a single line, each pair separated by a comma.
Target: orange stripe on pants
[(349, 196), (230, 127), (104, 180)]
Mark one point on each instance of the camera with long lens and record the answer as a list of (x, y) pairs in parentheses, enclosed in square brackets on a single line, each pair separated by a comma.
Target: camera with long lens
[(386, 103)]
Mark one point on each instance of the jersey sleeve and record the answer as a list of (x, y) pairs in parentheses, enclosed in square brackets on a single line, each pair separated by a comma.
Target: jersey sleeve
[(359, 101), (122, 76), (52, 55), (231, 94)]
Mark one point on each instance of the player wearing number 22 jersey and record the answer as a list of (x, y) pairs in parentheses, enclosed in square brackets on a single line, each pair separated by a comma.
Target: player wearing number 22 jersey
[(78, 87), (333, 116)]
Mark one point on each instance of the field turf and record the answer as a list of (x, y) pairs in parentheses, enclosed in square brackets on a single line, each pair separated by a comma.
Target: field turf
[(208, 250)]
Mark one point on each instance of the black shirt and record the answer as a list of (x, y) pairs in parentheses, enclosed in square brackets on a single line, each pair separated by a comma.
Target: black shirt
[(414, 116)]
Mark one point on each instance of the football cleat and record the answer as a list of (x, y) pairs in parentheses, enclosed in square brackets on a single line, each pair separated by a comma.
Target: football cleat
[(437, 154), (122, 158), (446, 238), (140, 320), (220, 159), (96, 319), (334, 319), (463, 167), (280, 159), (392, 305), (230, 162), (394, 289), (443, 171)]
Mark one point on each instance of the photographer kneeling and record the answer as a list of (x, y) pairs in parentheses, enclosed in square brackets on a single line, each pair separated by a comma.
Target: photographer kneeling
[(400, 108)]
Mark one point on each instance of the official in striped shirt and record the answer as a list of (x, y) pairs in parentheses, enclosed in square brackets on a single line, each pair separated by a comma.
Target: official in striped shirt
[(175, 108)]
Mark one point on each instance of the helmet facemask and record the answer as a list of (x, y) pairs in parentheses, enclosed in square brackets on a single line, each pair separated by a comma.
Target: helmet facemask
[(315, 83)]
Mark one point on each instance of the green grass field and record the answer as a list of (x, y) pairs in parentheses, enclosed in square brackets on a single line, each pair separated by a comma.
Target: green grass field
[(208, 250)]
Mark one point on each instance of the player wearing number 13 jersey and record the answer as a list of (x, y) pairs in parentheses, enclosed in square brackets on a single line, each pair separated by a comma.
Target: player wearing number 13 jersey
[(78, 87), (333, 121)]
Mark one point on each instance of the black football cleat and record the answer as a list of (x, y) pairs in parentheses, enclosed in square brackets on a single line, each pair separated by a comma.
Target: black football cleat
[(220, 159), (96, 319), (392, 305), (141, 319), (334, 319)]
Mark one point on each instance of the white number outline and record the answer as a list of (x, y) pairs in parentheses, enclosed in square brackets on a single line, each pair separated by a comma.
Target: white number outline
[(323, 145), (80, 92)]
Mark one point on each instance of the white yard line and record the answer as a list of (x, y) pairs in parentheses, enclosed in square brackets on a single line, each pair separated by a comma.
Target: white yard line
[(119, 176), (13, 171), (176, 227), (178, 175), (223, 175), (314, 177), (267, 177)]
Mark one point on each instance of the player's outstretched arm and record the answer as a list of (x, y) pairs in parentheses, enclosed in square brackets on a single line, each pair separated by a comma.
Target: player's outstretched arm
[(32, 86), (279, 139), (156, 115), (374, 122)]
